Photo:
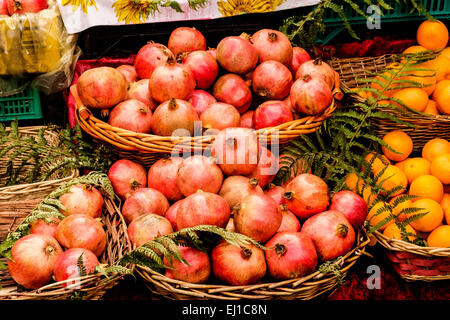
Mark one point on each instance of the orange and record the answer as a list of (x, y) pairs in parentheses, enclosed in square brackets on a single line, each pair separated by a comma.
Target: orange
[(364, 94), (393, 177), (439, 237), (393, 231), (435, 147), (441, 66), (432, 218), (385, 78), (440, 168), (379, 212), (442, 98), (445, 202), (446, 52), (378, 163), (401, 164), (400, 142), (427, 186), (447, 215), (360, 188), (440, 86), (416, 167), (431, 108), (413, 98), (414, 49), (351, 181), (397, 210), (432, 35), (426, 78)]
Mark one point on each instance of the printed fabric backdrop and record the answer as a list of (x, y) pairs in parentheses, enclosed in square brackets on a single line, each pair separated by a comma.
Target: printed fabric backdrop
[(79, 15)]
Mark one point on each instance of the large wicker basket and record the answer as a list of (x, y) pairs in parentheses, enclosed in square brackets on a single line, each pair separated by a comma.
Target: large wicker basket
[(426, 126), (305, 288)]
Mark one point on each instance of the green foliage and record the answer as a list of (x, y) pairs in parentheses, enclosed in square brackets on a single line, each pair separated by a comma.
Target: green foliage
[(333, 266), (153, 6)]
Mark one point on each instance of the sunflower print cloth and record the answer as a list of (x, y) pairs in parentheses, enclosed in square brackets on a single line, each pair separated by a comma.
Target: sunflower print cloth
[(234, 7)]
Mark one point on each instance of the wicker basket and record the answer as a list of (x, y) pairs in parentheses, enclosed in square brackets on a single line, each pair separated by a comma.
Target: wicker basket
[(304, 288), (147, 148), (426, 127), (413, 262)]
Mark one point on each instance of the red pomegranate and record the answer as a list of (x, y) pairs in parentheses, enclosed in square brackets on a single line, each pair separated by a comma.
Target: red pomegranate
[(162, 176), (200, 100), (197, 268), (232, 89), (289, 221), (212, 51), (171, 214), (45, 226), (33, 258), (307, 195), (67, 266), (174, 117), (246, 120), (172, 80), (129, 72), (295, 165), (317, 69), (23, 6), (290, 255), (142, 201), (203, 66), (273, 45), (131, 115), (186, 39), (238, 266), (148, 227), (203, 208), (149, 57), (295, 114), (199, 173), (220, 115), (139, 90), (276, 193), (299, 56), (310, 95), (82, 198), (271, 113), (236, 54), (267, 167), (257, 216), (236, 188), (4, 8), (81, 231), (101, 87), (127, 176), (331, 232), (351, 205), (272, 80), (236, 151)]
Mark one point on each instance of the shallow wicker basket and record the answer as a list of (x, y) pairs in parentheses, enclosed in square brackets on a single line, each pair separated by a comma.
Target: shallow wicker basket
[(147, 148), (305, 288), (426, 126), (413, 262)]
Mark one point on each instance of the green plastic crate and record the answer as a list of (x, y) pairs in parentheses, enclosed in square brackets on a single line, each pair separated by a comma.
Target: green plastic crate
[(21, 106)]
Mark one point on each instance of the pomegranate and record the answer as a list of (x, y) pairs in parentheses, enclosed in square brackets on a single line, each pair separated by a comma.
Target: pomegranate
[(23, 6), (236, 188), (149, 57), (295, 165), (147, 227), (290, 255), (232, 89), (162, 176), (212, 51), (127, 176), (196, 270), (200, 100), (4, 8), (276, 193), (331, 232), (220, 115), (271, 114), (238, 266), (199, 173), (267, 167), (310, 95), (351, 205), (171, 214), (142, 201), (81, 231), (246, 120), (174, 117), (185, 39), (33, 258), (139, 90), (204, 68), (67, 265), (272, 80), (295, 114), (307, 195), (172, 80), (289, 221), (230, 225), (101, 87), (236, 54), (45, 226), (82, 198), (236, 150), (257, 216), (317, 68), (299, 56), (131, 115), (248, 77), (203, 208), (273, 45), (129, 72)]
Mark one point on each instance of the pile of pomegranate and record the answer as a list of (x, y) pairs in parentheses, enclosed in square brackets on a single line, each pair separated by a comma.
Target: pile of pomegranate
[(54, 247), (11, 7), (252, 81)]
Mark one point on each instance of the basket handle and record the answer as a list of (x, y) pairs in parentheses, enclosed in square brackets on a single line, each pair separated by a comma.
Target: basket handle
[(84, 112)]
